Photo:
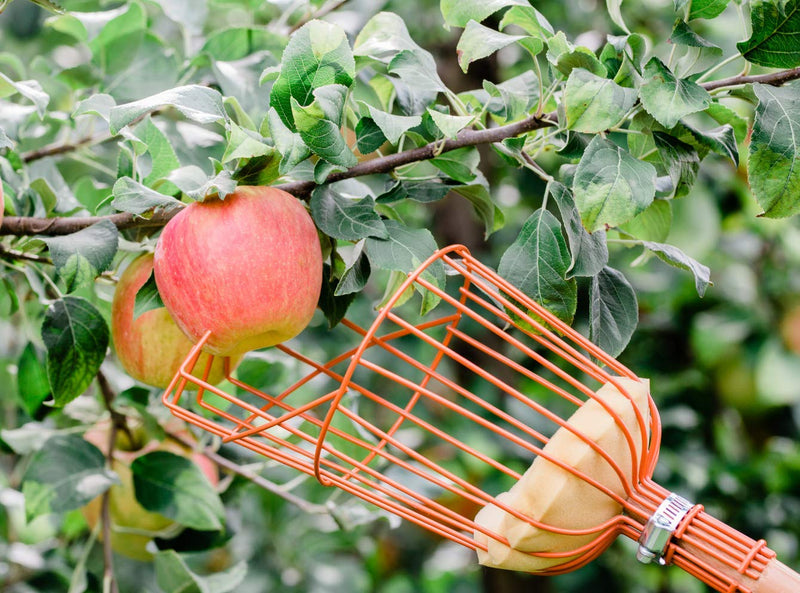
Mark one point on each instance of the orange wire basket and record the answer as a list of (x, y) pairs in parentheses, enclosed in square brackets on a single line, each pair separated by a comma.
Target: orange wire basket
[(385, 421)]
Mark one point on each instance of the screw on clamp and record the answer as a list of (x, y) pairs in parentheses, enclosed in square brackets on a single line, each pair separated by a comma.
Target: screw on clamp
[(659, 529)]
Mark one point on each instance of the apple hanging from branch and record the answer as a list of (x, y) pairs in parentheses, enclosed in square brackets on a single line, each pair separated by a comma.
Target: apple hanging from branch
[(247, 268), (151, 347)]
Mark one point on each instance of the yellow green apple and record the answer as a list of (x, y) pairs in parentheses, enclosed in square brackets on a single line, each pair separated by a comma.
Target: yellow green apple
[(151, 347)]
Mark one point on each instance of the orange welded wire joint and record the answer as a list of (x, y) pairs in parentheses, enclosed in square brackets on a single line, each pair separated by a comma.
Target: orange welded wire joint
[(417, 414)]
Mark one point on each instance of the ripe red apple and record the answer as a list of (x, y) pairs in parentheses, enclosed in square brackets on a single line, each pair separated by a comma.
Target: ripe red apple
[(151, 347), (247, 268)]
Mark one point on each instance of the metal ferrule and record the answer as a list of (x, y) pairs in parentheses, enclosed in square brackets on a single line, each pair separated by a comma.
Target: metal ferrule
[(659, 529)]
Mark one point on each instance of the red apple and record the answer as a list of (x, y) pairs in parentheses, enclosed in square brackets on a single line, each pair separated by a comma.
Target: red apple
[(247, 268), (151, 347)]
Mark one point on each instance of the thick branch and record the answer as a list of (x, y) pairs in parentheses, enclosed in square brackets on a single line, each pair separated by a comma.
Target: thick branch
[(64, 225)]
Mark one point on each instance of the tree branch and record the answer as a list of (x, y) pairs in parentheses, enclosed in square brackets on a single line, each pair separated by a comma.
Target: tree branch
[(321, 12), (23, 226), (772, 78)]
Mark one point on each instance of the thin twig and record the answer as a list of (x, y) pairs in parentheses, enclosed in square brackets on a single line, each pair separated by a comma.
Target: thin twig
[(109, 580), (324, 10)]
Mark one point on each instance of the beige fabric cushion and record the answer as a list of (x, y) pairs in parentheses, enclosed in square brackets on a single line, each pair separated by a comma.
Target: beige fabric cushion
[(554, 496)]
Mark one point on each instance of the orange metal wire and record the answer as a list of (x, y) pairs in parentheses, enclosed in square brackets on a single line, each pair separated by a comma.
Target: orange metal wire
[(376, 420)]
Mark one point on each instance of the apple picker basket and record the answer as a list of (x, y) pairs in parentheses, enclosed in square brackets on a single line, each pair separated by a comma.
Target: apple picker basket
[(415, 415)]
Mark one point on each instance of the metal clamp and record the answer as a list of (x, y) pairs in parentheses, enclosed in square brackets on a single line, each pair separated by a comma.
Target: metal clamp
[(659, 529)]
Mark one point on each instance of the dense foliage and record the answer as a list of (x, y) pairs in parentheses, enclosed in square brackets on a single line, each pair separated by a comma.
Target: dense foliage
[(633, 167)]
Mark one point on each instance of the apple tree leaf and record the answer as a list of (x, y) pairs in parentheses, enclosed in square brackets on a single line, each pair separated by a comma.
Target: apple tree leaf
[(614, 311), (33, 387), (775, 38), (681, 160), (317, 55), (64, 474), (611, 186), (678, 259), (588, 252), (701, 9), (199, 103), (131, 196), (537, 263), (457, 13), (147, 297), (774, 165), (478, 41), (594, 104), (668, 98), (174, 574), (404, 251), (76, 337), (175, 487), (81, 256), (345, 211)]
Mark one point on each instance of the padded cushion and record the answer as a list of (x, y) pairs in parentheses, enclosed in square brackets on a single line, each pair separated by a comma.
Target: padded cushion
[(555, 496)]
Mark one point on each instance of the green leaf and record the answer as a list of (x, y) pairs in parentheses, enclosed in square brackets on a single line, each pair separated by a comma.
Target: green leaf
[(653, 224), (383, 37), (332, 303), (30, 89), (566, 57), (318, 55), (537, 263), (683, 34), (257, 170), (681, 160), (80, 257), (356, 274), (345, 211), (33, 387), (594, 104), (528, 19), (65, 474), (245, 144), (775, 38), (478, 42), (319, 125), (725, 115), (162, 155), (721, 140), (76, 337), (174, 575), (611, 186), (694, 54), (460, 164), (614, 311), (614, 8), (199, 103), (369, 136), (131, 196), (774, 163), (393, 126), (450, 125), (175, 487), (512, 98), (677, 258), (114, 41), (147, 297), (237, 43), (290, 144), (404, 251), (419, 190), (417, 69), (701, 9), (588, 252), (196, 184), (667, 98), (457, 13), (480, 197)]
